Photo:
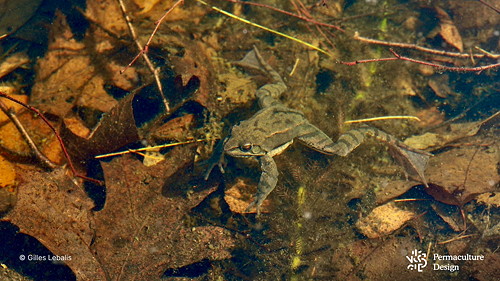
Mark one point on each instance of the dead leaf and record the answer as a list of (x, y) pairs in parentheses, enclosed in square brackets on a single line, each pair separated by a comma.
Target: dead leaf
[(413, 162), (7, 185), (176, 129), (187, 12), (492, 199), (459, 175), (451, 218), (136, 236), (117, 125), (196, 62), (449, 31), (383, 220), (440, 85), (109, 16), (8, 175), (54, 210), (74, 73), (451, 133), (149, 230), (240, 195), (15, 13), (13, 62), (429, 117), (12, 140), (393, 189)]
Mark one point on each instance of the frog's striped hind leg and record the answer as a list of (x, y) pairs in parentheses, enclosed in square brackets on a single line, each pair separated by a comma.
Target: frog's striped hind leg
[(268, 93), (412, 160), (267, 182)]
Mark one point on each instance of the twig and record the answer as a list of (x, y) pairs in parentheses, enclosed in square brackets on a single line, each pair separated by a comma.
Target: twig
[(351, 63), (143, 50), (381, 118), (410, 200), (303, 10), (264, 28), (456, 238), (38, 154), (397, 56), (146, 148), (489, 6), (63, 147), (444, 67), (287, 13), (424, 49)]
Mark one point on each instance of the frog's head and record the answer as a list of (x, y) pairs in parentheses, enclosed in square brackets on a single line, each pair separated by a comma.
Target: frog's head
[(243, 144)]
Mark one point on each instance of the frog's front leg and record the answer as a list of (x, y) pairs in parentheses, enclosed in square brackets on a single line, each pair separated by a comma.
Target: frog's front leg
[(218, 158), (267, 182)]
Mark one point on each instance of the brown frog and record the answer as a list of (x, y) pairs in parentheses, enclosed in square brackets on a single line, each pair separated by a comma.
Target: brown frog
[(274, 127)]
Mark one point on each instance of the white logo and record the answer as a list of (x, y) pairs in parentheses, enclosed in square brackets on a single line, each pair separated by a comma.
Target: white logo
[(418, 260)]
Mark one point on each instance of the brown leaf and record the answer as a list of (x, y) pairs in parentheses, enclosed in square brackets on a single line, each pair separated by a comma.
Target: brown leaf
[(176, 129), (383, 220), (55, 211), (196, 61), (74, 73), (449, 31), (440, 85), (148, 230), (393, 189), (13, 62), (108, 15), (154, 9), (240, 195), (116, 129), (138, 234), (15, 13), (459, 175)]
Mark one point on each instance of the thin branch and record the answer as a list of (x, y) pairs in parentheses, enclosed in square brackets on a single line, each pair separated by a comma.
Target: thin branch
[(263, 27), (143, 50), (38, 154), (424, 49), (63, 147), (381, 118), (444, 67), (351, 63), (397, 56), (489, 6), (287, 13)]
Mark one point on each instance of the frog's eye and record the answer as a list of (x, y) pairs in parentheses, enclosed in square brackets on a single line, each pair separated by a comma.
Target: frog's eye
[(246, 146)]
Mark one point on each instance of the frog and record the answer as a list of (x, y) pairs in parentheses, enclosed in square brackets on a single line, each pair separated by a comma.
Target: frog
[(274, 127)]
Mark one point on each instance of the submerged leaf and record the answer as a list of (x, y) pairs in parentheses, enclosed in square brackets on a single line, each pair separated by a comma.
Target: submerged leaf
[(383, 220), (459, 175), (55, 211), (136, 236), (118, 125)]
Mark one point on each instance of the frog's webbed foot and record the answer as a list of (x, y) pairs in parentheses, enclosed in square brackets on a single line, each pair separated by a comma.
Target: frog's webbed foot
[(267, 182), (413, 161), (217, 159)]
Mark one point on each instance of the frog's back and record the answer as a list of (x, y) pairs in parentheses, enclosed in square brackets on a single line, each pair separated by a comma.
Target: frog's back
[(273, 126)]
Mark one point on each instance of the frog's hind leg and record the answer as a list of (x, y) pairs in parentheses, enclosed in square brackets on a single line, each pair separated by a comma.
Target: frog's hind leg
[(267, 182), (412, 160), (268, 93)]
